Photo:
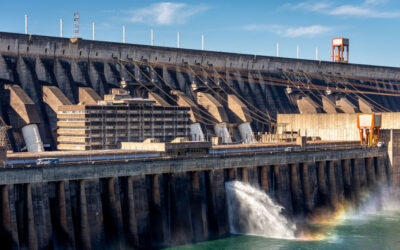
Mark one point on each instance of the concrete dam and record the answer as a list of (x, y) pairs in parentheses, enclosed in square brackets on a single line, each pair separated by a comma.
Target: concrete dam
[(123, 146), (227, 93), (159, 202)]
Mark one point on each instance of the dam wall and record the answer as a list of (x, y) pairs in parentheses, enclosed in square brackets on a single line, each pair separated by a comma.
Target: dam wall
[(263, 85), (172, 201)]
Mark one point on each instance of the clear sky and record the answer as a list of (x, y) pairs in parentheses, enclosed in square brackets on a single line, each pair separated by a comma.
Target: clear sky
[(252, 27)]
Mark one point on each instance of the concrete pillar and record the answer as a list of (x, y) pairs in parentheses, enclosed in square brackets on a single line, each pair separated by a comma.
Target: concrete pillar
[(111, 74), (264, 178), (32, 242), (333, 198), (245, 174), (95, 213), (62, 72), (216, 203), (9, 239), (231, 174), (114, 235), (322, 188), (129, 213), (347, 180), (142, 211), (295, 189), (97, 77), (77, 68), (285, 190), (276, 185), (41, 214), (62, 230), (198, 208), (356, 178), (381, 170), (42, 73), (308, 202), (160, 231), (5, 73), (83, 240), (370, 172)]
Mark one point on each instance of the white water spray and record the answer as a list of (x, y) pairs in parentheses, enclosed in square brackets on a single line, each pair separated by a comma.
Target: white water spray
[(252, 211)]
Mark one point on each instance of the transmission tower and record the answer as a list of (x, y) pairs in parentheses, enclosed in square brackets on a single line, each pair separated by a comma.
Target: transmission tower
[(76, 22)]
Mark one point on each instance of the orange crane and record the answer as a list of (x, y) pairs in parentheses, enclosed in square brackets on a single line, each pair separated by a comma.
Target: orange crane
[(340, 45)]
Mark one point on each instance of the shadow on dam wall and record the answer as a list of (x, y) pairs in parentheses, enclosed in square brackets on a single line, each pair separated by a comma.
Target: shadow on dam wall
[(156, 211)]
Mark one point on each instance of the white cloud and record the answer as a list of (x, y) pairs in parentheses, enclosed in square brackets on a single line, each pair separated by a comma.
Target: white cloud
[(166, 13), (287, 31), (368, 9)]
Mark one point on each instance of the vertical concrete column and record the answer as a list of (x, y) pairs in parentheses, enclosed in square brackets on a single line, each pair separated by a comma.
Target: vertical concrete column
[(83, 240), (30, 222), (333, 198), (264, 178), (62, 71), (160, 233), (347, 176), (130, 214), (216, 203), (95, 213), (371, 180), (181, 221), (252, 175), (63, 233), (322, 188), (277, 183), (356, 178), (285, 190), (231, 174), (41, 212), (112, 214), (198, 209), (308, 203), (97, 78), (6, 232), (4, 70), (77, 69), (381, 170), (245, 174), (295, 189)]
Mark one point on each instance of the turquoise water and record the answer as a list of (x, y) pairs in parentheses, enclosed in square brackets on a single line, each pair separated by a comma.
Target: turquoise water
[(374, 225), (379, 231)]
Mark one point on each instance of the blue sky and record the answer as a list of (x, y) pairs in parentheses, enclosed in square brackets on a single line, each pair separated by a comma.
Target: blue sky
[(252, 27)]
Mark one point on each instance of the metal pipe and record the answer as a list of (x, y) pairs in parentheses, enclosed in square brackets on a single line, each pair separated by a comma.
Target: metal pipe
[(298, 51), (178, 40), (32, 138), (152, 37), (26, 24), (316, 53), (61, 27), (202, 42), (123, 34), (94, 30)]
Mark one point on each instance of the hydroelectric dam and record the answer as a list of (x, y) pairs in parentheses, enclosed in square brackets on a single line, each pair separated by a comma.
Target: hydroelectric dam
[(119, 146)]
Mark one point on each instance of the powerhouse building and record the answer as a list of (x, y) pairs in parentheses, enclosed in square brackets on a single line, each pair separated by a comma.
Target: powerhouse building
[(119, 118)]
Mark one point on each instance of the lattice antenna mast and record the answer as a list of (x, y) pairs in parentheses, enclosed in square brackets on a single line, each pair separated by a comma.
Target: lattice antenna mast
[(76, 22)]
